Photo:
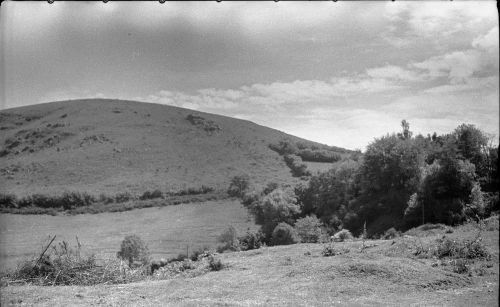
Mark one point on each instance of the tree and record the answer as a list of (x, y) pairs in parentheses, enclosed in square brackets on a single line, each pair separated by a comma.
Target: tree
[(328, 194), (472, 145), (229, 237), (134, 249), (390, 173), (238, 186), (445, 189), (309, 229), (406, 134), (278, 206)]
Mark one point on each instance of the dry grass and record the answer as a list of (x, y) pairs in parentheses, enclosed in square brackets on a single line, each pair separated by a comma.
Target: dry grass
[(298, 275)]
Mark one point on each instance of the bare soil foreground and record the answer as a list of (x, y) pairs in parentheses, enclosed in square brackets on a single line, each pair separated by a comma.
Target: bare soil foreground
[(385, 272)]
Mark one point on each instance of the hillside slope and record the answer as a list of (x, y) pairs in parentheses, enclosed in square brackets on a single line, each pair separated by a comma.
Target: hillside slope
[(112, 146)]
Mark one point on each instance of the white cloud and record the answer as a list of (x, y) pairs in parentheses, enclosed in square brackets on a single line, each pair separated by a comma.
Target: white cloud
[(471, 84), (274, 95), (442, 18), (489, 41), (457, 65), (438, 24), (393, 72)]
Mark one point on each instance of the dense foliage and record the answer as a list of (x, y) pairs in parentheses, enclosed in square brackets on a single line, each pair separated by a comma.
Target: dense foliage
[(307, 152), (284, 234), (401, 181)]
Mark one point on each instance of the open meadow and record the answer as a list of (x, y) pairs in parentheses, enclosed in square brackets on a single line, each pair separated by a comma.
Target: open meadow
[(166, 230), (382, 273)]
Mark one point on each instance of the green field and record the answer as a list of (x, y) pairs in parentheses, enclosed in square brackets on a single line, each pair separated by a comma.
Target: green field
[(166, 230)]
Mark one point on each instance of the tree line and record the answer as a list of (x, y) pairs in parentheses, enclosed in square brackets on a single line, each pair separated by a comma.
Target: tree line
[(400, 181)]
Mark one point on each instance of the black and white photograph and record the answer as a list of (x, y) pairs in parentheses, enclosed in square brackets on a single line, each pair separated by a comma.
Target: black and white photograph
[(249, 153)]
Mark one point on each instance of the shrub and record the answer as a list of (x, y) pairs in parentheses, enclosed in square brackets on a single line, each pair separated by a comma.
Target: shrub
[(251, 240), (460, 266), (343, 235), (72, 200), (308, 229), (63, 265), (319, 155), (215, 264), (477, 206), (134, 249), (250, 198), (123, 197), (278, 206), (455, 249), (271, 186), (106, 199), (238, 186), (229, 238), (200, 253), (284, 234), (284, 148), (295, 164), (151, 195), (8, 200), (391, 233), (329, 250)]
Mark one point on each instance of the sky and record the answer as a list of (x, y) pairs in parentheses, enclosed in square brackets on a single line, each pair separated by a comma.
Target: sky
[(340, 73)]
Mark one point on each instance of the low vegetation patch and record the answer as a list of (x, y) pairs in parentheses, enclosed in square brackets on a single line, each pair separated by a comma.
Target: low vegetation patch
[(251, 240), (332, 250), (61, 264), (343, 235), (295, 164), (229, 239), (309, 152), (82, 202), (208, 125), (391, 233)]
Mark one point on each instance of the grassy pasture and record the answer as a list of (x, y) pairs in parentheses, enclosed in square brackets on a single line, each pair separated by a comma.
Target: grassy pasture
[(167, 230), (384, 274)]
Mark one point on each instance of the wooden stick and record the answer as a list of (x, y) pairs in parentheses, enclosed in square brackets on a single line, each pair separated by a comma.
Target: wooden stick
[(46, 248)]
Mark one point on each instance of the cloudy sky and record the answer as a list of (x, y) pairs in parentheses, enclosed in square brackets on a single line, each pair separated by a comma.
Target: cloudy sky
[(340, 73)]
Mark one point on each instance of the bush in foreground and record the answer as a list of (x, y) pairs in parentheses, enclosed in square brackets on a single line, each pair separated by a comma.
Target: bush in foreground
[(215, 264), (284, 234), (251, 240), (308, 229), (64, 265)]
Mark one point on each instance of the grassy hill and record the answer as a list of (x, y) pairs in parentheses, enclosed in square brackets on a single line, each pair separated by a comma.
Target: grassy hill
[(112, 146)]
